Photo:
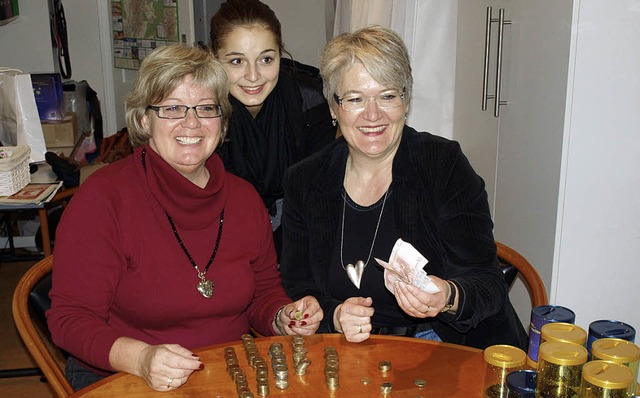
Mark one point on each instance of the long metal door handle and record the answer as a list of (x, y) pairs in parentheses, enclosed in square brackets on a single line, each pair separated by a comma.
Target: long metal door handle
[(497, 101), (485, 74)]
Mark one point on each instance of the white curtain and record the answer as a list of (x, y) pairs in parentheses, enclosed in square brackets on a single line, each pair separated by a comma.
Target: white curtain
[(428, 28)]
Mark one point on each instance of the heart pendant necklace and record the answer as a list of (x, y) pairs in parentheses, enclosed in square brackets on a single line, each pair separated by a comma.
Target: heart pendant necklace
[(205, 286), (354, 272)]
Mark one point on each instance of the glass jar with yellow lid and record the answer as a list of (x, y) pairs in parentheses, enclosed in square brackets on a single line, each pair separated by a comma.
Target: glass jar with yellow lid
[(562, 331), (620, 351), (606, 379), (500, 360), (560, 369)]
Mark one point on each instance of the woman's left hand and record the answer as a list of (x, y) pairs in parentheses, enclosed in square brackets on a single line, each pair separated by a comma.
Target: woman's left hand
[(302, 317), (420, 304)]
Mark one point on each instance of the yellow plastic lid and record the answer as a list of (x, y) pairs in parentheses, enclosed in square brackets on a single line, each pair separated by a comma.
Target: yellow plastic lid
[(504, 356), (607, 374), (616, 350), (561, 331), (562, 353)]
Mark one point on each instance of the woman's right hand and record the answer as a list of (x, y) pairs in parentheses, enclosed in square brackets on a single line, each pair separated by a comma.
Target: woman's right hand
[(353, 318), (167, 366)]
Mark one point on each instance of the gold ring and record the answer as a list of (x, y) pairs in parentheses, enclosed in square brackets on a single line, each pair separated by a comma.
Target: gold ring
[(359, 328), (169, 381)]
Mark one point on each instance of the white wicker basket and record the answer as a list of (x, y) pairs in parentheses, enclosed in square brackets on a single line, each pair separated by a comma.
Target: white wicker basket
[(14, 168)]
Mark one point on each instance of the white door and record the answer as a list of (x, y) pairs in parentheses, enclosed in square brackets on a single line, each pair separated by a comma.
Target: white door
[(518, 153)]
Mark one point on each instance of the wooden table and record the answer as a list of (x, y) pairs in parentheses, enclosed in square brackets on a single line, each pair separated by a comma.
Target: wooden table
[(449, 371)]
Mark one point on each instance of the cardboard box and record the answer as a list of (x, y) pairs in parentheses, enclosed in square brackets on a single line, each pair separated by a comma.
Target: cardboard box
[(47, 90), (62, 133)]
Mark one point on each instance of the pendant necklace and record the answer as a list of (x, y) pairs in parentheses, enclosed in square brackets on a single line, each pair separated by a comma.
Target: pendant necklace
[(354, 272), (204, 286)]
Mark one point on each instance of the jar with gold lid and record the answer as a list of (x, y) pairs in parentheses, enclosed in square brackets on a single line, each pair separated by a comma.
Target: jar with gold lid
[(562, 331), (606, 379), (560, 369), (500, 360), (620, 351)]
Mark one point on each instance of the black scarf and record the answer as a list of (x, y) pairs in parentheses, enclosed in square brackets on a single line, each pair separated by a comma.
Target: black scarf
[(260, 150)]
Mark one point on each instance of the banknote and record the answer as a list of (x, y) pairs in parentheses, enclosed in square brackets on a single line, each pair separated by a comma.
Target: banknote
[(407, 265)]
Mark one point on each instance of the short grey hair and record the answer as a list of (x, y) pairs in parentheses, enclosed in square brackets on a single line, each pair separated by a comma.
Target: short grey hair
[(163, 71), (380, 50)]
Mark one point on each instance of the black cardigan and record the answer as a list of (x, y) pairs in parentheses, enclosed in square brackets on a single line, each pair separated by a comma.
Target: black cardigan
[(440, 207)]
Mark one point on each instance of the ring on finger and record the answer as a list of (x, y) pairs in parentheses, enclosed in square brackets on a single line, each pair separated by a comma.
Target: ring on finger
[(169, 381)]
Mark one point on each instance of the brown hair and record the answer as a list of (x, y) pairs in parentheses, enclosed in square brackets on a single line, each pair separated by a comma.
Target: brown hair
[(164, 70), (243, 13), (380, 50)]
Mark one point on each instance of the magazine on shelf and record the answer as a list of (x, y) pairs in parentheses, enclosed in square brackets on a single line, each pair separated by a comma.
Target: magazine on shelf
[(33, 193)]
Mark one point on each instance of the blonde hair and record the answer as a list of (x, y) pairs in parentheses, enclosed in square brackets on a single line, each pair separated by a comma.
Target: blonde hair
[(380, 50), (163, 71)]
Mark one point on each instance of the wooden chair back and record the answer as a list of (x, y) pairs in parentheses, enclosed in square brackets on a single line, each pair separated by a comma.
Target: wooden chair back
[(513, 263), (28, 330)]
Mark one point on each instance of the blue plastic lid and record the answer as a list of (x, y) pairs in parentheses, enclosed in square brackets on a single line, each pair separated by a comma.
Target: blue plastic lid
[(611, 328), (522, 381), (554, 313)]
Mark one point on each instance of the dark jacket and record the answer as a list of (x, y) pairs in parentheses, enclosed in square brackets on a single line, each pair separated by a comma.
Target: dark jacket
[(440, 207)]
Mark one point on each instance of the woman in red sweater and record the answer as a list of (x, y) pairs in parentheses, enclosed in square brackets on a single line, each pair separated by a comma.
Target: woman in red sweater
[(163, 251)]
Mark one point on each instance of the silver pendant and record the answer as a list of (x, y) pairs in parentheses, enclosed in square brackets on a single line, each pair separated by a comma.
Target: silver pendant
[(355, 272), (205, 287)]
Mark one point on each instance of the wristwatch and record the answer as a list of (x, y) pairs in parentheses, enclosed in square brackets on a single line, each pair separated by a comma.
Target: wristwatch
[(452, 297)]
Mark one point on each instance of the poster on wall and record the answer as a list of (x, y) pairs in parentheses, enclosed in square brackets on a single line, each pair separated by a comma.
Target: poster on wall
[(9, 11), (139, 26)]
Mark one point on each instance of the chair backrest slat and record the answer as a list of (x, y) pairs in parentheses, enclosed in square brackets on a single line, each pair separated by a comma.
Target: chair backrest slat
[(29, 333)]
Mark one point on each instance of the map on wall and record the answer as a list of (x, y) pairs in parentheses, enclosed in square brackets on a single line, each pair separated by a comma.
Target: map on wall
[(139, 26)]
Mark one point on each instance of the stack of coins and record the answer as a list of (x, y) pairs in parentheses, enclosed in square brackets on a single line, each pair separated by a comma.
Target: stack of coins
[(262, 377), (300, 360), (279, 366), (237, 374), (331, 368), (250, 349)]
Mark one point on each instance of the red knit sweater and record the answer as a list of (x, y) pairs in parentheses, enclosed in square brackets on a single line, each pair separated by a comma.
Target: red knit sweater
[(119, 270)]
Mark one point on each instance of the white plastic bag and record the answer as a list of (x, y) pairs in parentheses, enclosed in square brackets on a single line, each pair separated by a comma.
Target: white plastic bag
[(19, 119)]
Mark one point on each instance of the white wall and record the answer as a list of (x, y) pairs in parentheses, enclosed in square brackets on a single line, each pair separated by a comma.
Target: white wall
[(596, 270), (25, 43), (303, 27)]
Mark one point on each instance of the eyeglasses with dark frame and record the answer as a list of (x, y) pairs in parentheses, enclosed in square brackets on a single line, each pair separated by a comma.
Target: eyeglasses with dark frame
[(357, 102), (205, 111)]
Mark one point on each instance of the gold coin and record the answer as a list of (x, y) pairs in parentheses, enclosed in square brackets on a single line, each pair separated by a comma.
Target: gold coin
[(384, 366), (420, 383), (386, 387), (298, 315)]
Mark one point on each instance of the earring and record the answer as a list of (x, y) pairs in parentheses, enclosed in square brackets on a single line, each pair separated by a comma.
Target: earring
[(334, 122)]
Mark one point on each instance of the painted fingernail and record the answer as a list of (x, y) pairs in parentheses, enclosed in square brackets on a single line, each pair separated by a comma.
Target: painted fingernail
[(306, 316), (201, 366), (302, 323), (194, 355), (292, 323)]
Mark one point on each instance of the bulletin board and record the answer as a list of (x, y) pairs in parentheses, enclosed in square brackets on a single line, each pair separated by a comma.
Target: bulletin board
[(139, 26)]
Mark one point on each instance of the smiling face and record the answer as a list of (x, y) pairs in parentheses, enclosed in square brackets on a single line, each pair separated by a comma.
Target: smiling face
[(185, 143), (373, 132), (251, 57)]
